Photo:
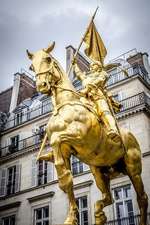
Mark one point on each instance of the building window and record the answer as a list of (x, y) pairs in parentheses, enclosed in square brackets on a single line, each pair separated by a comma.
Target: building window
[(42, 172), (10, 220), (11, 180), (123, 203), (14, 144), (18, 118), (77, 166), (41, 216), (82, 204)]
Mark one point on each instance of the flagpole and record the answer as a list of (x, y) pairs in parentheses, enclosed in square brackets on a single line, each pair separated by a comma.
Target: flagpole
[(77, 50)]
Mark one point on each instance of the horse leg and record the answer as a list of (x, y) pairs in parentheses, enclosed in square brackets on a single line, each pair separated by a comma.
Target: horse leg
[(103, 184), (134, 168), (62, 165)]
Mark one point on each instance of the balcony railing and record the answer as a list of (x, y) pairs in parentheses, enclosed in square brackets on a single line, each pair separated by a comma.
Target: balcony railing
[(121, 75), (22, 117), (140, 100), (133, 102), (32, 141), (133, 220), (127, 73)]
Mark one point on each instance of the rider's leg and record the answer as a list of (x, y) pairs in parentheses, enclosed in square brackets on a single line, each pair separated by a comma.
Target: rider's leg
[(108, 119)]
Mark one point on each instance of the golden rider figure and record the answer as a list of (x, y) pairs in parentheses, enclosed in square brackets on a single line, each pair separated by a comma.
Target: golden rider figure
[(94, 89)]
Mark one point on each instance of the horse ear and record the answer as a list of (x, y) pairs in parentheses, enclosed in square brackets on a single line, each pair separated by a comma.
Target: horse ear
[(50, 47), (30, 55)]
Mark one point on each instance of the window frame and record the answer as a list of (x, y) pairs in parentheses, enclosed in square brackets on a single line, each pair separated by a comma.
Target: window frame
[(123, 200), (8, 216), (38, 206), (78, 163), (41, 173), (14, 147), (87, 194), (13, 180)]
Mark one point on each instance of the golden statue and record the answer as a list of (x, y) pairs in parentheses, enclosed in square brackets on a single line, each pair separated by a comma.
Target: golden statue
[(76, 128)]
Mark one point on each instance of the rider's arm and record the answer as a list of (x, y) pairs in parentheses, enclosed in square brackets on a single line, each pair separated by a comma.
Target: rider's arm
[(79, 74)]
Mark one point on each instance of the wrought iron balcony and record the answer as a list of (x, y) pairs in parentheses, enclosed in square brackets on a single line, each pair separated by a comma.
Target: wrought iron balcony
[(30, 142), (20, 118), (127, 74), (122, 75), (132, 104), (140, 101), (132, 220), (30, 114)]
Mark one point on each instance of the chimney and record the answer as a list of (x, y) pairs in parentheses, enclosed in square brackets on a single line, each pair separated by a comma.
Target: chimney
[(23, 88), (70, 51), (15, 92), (135, 59), (82, 61)]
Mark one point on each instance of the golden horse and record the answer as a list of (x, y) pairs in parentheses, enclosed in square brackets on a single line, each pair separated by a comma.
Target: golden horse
[(74, 129)]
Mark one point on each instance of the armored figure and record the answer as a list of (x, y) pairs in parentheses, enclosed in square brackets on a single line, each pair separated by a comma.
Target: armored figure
[(94, 83)]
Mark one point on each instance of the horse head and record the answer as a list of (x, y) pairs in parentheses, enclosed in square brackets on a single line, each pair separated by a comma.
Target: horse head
[(45, 68)]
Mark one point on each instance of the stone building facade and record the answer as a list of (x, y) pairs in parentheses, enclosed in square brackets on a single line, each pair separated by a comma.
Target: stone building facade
[(29, 192)]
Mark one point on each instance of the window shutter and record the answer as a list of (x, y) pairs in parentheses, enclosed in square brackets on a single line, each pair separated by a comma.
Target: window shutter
[(3, 182), (5, 150), (34, 173), (49, 172), (20, 141), (18, 178)]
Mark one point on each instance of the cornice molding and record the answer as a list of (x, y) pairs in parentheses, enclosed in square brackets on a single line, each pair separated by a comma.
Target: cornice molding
[(10, 206), (42, 196)]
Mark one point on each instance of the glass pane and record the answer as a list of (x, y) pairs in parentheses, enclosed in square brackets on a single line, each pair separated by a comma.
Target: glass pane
[(118, 194), (39, 223), (41, 167), (127, 192), (129, 207), (6, 221), (38, 214), (84, 202), (81, 167), (119, 210), (12, 222), (46, 222), (85, 216), (46, 212)]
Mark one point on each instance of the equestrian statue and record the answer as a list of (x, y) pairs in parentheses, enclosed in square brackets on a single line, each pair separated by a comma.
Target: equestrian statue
[(83, 124)]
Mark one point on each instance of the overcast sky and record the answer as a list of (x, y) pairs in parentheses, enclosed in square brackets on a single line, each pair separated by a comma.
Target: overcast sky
[(32, 24)]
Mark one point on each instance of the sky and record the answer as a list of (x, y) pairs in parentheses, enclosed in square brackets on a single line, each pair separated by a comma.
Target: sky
[(33, 24)]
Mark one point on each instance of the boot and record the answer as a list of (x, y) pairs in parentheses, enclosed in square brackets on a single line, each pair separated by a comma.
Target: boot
[(112, 132)]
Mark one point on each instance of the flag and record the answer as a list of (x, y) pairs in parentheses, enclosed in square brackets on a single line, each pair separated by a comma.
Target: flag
[(95, 48)]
